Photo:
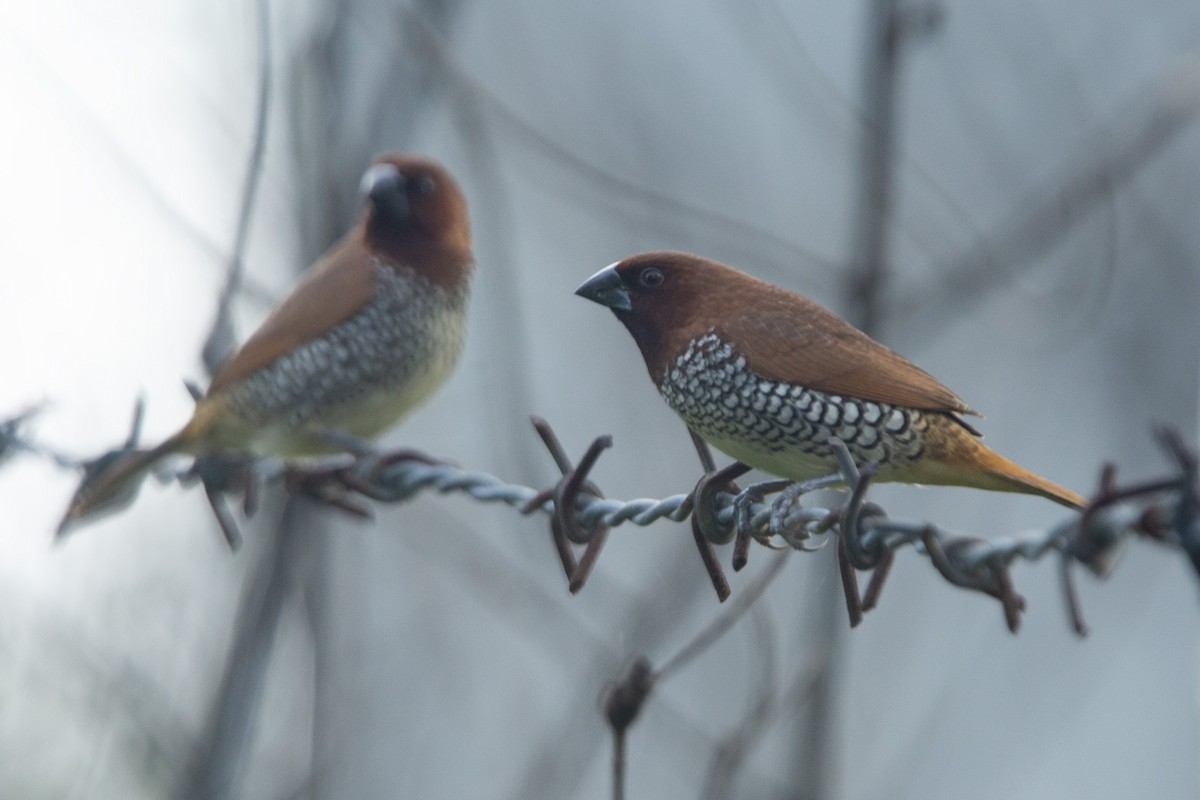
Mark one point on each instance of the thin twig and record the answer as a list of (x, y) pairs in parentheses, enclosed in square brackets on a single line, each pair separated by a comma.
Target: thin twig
[(725, 621), (221, 339)]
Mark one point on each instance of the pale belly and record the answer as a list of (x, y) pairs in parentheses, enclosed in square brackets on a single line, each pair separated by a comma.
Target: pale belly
[(794, 464), (360, 378), (366, 417)]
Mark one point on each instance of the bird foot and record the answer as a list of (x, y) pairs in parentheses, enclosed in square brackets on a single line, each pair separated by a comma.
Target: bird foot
[(787, 524), (744, 524)]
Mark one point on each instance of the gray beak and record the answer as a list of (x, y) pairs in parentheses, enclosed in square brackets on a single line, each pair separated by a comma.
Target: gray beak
[(383, 185), (607, 289)]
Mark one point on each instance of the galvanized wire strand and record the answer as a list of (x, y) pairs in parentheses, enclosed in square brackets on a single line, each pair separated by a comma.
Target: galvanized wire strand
[(1162, 510), (404, 479)]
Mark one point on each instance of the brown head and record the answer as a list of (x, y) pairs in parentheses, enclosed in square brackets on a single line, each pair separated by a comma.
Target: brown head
[(666, 299), (416, 215), (669, 299)]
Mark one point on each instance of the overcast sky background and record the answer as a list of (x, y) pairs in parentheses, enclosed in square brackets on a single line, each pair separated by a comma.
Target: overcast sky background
[(435, 652)]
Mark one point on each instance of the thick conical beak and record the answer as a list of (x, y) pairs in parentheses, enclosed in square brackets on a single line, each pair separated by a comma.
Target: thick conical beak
[(607, 289), (383, 184)]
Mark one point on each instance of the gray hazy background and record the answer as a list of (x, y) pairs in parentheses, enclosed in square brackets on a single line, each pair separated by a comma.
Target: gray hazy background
[(1042, 254)]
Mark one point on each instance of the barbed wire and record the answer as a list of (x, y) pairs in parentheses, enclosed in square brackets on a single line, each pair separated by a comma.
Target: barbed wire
[(1165, 510)]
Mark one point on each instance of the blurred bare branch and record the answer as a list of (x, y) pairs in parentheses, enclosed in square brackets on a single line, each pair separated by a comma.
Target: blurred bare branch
[(130, 165), (229, 728), (892, 26), (1114, 152), (221, 340), (725, 228)]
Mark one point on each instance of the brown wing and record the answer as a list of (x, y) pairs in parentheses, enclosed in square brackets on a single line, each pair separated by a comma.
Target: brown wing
[(798, 341), (330, 292)]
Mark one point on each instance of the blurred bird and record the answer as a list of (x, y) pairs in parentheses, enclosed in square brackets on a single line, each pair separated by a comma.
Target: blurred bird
[(768, 377), (372, 329)]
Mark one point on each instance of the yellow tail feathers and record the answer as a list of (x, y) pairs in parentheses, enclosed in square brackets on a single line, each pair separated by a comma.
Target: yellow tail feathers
[(1015, 478), (955, 457)]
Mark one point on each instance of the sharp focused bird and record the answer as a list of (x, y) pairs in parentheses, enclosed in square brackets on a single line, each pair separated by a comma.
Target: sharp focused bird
[(768, 377)]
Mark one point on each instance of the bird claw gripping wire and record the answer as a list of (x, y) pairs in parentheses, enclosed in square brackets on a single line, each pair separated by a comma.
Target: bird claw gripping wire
[(782, 519), (743, 521), (786, 521)]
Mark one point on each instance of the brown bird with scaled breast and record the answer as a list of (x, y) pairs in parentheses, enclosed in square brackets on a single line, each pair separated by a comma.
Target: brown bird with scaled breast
[(768, 377), (372, 329)]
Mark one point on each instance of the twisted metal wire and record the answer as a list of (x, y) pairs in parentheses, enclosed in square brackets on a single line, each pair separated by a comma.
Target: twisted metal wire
[(579, 514), (404, 479)]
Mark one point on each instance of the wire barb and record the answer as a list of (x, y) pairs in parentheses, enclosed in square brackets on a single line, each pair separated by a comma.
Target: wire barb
[(569, 496)]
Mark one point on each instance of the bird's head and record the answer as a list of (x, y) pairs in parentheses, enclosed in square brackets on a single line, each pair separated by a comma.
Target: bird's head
[(666, 299), (415, 214)]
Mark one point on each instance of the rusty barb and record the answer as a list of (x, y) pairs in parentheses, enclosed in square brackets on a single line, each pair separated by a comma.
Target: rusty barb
[(772, 513), (567, 497)]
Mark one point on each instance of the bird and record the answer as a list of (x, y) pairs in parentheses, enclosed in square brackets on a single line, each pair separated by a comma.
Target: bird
[(371, 330), (768, 377)]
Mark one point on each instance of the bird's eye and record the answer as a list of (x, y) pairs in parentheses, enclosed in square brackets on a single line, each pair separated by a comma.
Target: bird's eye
[(424, 184), (651, 277)]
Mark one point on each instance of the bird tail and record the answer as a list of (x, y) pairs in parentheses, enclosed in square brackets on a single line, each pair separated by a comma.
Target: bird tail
[(1015, 478), (966, 461), (113, 486)]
